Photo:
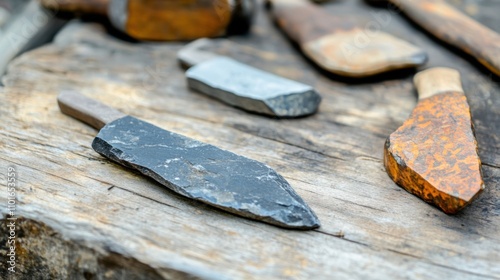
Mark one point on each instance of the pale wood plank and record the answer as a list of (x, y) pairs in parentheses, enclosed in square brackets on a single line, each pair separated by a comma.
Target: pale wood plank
[(102, 213)]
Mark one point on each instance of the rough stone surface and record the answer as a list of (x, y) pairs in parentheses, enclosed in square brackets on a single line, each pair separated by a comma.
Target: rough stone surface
[(252, 89), (204, 172), (434, 153)]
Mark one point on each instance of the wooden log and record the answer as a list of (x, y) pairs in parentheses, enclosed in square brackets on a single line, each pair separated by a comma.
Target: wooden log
[(84, 216)]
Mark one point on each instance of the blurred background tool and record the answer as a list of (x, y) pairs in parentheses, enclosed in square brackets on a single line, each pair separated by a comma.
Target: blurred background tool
[(243, 86), (24, 25), (454, 27), (158, 20), (340, 44)]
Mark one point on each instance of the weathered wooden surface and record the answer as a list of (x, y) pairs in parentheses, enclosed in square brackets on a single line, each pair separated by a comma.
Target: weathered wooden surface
[(87, 217)]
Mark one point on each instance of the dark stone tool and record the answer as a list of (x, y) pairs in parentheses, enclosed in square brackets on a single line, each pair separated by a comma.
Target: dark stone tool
[(191, 168), (245, 87)]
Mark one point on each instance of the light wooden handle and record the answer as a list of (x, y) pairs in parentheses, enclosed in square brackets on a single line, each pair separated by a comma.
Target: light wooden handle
[(437, 80), (87, 110), (78, 6)]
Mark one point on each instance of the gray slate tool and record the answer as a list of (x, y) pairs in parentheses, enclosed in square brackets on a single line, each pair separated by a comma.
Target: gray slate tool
[(191, 168), (245, 87)]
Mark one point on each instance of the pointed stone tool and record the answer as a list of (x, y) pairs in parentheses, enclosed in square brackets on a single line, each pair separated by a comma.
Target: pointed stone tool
[(434, 153), (339, 44), (191, 168), (245, 87), (455, 28)]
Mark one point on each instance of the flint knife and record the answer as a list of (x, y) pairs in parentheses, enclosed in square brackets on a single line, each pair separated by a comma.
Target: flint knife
[(455, 28), (243, 86), (339, 45), (434, 153), (191, 168)]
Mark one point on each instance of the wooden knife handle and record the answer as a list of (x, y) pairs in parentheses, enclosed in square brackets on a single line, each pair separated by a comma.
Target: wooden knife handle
[(304, 21), (87, 110), (437, 80), (452, 26)]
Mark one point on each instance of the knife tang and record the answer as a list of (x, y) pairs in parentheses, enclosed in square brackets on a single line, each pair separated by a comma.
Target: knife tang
[(87, 110)]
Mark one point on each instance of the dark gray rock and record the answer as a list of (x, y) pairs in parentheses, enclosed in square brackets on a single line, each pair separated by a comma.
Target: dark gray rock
[(252, 89), (204, 172)]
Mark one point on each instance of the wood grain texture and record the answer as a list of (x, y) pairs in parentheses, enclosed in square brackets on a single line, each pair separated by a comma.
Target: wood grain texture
[(87, 110), (97, 211), (454, 27), (340, 44)]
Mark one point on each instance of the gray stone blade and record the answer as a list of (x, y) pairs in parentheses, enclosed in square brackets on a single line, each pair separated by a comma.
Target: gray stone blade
[(204, 172), (252, 89)]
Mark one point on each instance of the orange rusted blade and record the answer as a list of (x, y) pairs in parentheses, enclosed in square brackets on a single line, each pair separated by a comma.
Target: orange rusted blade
[(434, 153), (455, 28), (339, 45)]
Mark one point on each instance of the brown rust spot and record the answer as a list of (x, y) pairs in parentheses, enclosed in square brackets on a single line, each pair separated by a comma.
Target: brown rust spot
[(434, 153), (177, 19)]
